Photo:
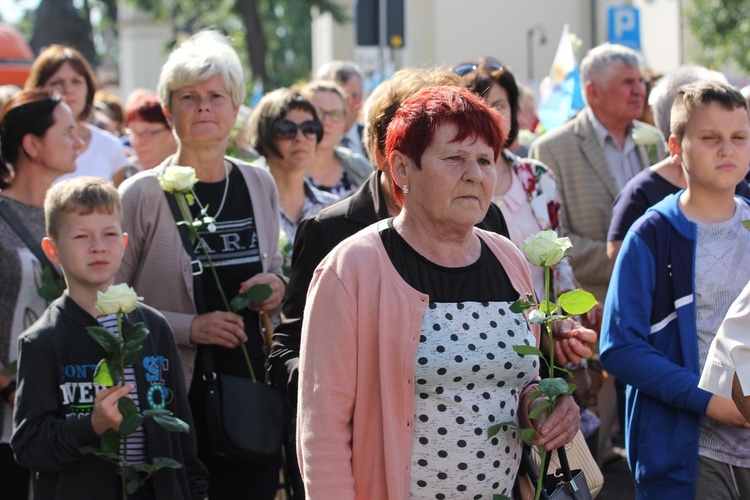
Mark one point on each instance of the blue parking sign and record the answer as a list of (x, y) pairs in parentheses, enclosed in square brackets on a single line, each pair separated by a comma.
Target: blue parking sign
[(624, 26)]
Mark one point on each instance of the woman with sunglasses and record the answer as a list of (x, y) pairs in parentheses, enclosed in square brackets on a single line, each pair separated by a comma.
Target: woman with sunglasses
[(285, 130), (201, 88), (336, 169)]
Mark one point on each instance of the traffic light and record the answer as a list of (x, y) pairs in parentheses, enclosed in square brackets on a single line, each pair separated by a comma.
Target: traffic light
[(368, 22)]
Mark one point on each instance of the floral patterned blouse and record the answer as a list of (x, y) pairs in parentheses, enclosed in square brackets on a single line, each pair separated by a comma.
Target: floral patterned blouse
[(532, 204)]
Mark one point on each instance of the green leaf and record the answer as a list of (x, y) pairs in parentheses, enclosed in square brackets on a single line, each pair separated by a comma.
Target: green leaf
[(110, 441), (746, 224), (172, 424), (51, 287), (535, 395), (256, 293), (539, 409), (527, 436), (548, 307), (527, 350), (155, 411), (132, 473), (498, 496), (520, 306), (190, 199), (502, 426), (577, 301), (127, 407), (133, 486), (11, 368), (552, 387), (138, 331), (133, 356), (104, 338), (571, 388), (130, 423), (103, 374), (162, 462)]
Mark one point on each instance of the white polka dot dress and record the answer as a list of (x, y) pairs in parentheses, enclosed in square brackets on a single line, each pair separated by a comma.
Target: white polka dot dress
[(468, 377)]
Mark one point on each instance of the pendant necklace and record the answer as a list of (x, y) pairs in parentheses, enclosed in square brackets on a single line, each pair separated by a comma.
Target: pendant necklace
[(212, 225)]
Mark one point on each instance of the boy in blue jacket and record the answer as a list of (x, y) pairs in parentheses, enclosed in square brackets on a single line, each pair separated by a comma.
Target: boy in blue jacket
[(59, 408), (680, 267)]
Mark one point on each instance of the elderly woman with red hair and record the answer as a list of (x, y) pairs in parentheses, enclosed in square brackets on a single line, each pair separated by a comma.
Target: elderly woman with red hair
[(422, 335)]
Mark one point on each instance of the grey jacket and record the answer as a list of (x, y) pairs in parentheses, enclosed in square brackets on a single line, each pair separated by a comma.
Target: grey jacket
[(155, 263)]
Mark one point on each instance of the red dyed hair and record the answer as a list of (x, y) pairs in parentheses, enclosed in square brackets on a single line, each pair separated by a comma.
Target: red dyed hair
[(414, 125)]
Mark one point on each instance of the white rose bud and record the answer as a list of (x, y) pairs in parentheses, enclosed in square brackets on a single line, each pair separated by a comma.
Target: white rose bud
[(545, 249), (537, 317), (643, 136), (176, 179), (117, 298)]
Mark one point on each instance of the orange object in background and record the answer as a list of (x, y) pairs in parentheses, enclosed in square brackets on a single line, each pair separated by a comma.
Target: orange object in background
[(16, 56)]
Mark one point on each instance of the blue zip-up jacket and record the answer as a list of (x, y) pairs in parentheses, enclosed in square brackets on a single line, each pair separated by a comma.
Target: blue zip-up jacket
[(650, 342)]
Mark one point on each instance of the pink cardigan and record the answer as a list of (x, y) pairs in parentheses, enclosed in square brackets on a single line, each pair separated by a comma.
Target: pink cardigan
[(359, 344)]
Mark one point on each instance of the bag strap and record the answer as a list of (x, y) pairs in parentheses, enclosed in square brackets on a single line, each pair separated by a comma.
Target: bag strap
[(528, 467), (15, 223)]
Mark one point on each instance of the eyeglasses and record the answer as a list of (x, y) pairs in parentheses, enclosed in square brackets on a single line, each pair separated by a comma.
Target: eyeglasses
[(335, 116), (287, 129), (466, 68), (144, 135)]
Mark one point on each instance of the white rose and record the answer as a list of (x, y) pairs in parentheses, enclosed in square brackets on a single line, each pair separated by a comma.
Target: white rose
[(545, 249), (644, 136), (537, 317), (176, 179), (117, 298)]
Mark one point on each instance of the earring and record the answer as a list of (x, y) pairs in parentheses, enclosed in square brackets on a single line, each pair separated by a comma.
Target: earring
[(405, 188)]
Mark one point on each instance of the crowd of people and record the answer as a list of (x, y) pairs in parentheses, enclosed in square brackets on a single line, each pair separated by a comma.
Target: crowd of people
[(387, 230)]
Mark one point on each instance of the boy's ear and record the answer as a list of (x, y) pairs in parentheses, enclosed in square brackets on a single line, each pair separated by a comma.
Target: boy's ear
[(674, 145), (50, 250)]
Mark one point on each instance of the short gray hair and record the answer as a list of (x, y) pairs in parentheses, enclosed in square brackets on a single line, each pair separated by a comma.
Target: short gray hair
[(602, 57), (197, 59), (340, 72), (663, 94)]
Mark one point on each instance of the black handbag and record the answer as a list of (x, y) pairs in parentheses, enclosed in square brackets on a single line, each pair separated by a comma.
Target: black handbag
[(246, 420), (563, 484)]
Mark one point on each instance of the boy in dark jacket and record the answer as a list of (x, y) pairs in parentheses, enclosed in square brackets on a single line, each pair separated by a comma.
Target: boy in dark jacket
[(680, 267), (59, 408)]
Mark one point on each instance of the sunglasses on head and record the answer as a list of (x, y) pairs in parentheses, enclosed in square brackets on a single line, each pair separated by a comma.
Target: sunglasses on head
[(287, 129), (466, 68)]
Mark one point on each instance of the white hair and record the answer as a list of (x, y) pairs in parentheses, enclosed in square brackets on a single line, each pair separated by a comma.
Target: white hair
[(340, 72), (197, 59), (663, 94), (601, 58)]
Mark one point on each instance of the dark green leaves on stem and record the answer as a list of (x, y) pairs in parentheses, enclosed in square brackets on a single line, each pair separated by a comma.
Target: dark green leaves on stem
[(172, 424), (521, 305), (257, 293), (52, 287)]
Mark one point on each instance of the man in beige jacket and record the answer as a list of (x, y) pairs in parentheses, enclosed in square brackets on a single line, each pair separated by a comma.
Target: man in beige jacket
[(594, 155)]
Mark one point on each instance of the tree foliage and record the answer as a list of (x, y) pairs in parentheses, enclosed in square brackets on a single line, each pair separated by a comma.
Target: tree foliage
[(273, 35), (723, 29)]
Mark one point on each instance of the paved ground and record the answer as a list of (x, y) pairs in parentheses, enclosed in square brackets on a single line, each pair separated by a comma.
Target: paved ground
[(618, 483)]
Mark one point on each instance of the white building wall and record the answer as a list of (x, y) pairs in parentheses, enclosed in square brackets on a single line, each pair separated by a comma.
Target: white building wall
[(143, 49)]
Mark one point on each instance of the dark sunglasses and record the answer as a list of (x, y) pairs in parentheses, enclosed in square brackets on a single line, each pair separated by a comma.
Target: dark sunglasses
[(466, 68), (287, 129)]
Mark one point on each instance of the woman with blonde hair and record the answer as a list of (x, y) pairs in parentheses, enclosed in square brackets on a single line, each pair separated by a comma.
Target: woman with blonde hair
[(201, 89)]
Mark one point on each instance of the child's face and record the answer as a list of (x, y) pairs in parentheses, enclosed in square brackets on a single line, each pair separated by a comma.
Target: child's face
[(715, 149), (89, 248)]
